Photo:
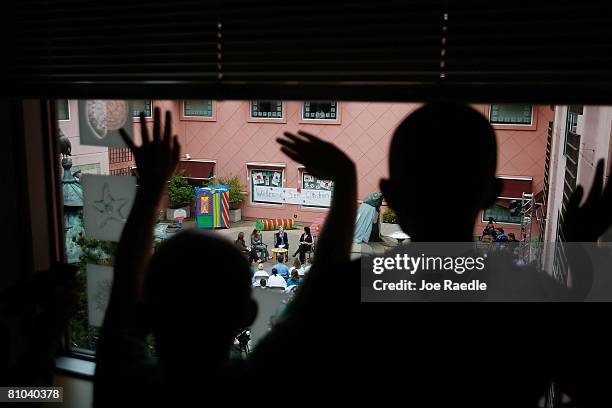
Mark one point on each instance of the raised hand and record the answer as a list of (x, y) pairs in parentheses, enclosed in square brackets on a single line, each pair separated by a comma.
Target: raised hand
[(587, 222), (157, 157), (322, 159)]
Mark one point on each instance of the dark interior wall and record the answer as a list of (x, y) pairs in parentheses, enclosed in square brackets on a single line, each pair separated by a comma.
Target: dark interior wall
[(15, 219)]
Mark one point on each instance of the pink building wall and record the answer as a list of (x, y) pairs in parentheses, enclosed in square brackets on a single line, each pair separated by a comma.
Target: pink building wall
[(521, 152), (364, 132)]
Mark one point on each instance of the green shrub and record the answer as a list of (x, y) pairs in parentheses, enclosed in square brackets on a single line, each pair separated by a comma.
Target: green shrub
[(180, 193), (389, 216), (236, 196)]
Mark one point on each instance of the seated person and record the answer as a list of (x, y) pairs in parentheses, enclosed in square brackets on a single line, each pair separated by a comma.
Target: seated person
[(282, 269), (500, 235), (280, 239), (248, 252), (297, 266), (489, 231), (305, 244), (260, 275), (275, 281), (294, 279), (263, 283), (258, 246)]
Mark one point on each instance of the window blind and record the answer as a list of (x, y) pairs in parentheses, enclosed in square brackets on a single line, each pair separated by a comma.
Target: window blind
[(544, 51)]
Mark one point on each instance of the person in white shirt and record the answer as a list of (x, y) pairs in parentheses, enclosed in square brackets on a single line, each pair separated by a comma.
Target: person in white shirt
[(297, 265), (276, 281), (259, 275)]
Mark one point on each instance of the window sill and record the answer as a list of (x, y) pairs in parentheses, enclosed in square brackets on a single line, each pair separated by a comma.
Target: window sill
[(76, 366)]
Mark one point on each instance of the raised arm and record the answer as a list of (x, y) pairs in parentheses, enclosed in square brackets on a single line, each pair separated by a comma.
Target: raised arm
[(156, 160), (585, 224), (326, 161)]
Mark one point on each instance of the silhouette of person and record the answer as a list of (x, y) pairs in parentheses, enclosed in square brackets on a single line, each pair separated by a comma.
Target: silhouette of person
[(168, 293), (457, 137)]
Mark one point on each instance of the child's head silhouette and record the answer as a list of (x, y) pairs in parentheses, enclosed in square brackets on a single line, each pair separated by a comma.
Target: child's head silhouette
[(442, 166), (181, 301)]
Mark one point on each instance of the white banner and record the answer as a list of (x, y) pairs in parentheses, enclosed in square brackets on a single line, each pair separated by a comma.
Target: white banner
[(279, 195)]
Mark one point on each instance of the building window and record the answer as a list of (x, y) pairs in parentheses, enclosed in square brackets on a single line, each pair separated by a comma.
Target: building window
[(316, 110), (62, 109), (511, 114), (142, 105), (265, 179), (198, 108), (502, 211), (119, 155), (310, 182), (267, 109), (571, 123)]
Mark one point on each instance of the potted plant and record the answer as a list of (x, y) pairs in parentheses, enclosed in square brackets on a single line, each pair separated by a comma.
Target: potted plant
[(180, 195), (236, 196), (389, 216)]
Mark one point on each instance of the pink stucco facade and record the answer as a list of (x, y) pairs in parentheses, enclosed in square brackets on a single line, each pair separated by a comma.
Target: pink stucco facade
[(239, 143), (364, 131)]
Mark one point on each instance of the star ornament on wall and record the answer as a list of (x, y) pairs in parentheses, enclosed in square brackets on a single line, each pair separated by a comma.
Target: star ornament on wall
[(110, 208)]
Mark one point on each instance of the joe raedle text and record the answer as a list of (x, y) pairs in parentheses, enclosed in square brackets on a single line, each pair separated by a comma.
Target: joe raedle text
[(424, 285), (410, 265)]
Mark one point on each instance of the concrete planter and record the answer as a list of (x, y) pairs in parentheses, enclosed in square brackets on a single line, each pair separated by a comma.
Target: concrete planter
[(170, 212), (235, 215)]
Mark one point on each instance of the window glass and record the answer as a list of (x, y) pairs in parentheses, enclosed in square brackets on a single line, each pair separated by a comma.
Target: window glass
[(320, 110), (511, 114), (142, 105), (198, 107), (267, 109), (502, 211), (265, 178), (62, 109)]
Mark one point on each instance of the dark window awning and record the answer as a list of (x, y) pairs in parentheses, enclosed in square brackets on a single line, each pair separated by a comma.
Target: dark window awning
[(515, 187), (198, 169)]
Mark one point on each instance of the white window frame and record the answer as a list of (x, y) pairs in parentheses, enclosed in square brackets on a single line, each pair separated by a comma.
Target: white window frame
[(211, 118), (531, 121), (335, 121), (250, 167), (137, 118), (69, 110), (282, 119), (302, 171)]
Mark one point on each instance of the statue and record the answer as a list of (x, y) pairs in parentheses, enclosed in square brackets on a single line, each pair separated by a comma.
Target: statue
[(367, 226), (73, 202)]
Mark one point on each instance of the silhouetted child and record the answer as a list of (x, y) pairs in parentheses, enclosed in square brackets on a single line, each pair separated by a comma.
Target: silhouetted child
[(194, 323)]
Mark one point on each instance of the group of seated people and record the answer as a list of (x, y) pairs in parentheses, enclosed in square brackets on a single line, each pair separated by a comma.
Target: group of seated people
[(280, 277), (258, 251), (494, 233)]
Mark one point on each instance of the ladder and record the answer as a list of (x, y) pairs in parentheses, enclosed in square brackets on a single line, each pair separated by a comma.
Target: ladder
[(527, 215)]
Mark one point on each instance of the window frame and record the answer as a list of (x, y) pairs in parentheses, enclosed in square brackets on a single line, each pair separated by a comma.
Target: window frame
[(257, 166), (486, 220), (282, 119), (136, 119), (188, 118), (301, 172), (68, 110), (337, 121), (568, 115), (514, 126)]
